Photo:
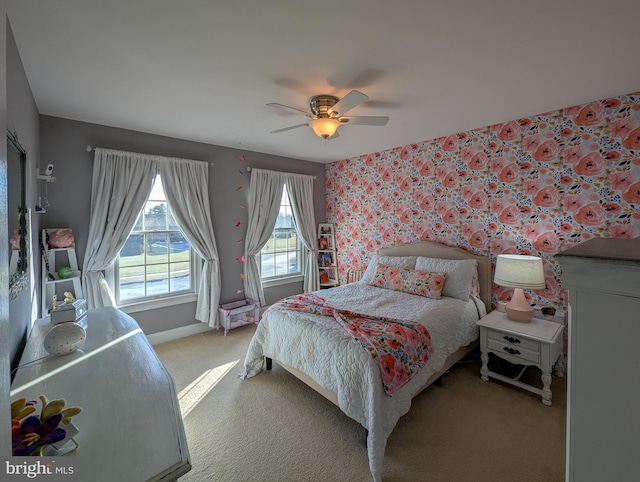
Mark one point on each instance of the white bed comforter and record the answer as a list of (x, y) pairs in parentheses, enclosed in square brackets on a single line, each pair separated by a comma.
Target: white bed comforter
[(322, 349)]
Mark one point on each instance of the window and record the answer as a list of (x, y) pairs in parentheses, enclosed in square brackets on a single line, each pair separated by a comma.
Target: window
[(279, 258), (156, 261)]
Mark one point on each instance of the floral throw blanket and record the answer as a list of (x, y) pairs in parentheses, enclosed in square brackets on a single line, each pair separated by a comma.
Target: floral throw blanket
[(400, 348)]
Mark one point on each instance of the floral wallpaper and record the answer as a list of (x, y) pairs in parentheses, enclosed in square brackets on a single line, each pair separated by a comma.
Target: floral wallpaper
[(535, 185)]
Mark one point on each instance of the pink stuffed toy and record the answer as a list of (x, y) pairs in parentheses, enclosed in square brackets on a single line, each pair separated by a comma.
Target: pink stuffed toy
[(61, 238)]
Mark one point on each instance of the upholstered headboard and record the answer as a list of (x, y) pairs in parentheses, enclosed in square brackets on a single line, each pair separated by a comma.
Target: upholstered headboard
[(435, 250)]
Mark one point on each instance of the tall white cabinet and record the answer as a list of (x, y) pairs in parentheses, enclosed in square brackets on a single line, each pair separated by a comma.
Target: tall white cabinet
[(603, 413)]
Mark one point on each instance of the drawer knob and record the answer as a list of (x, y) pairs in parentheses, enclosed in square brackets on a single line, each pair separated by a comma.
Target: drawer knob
[(511, 339), (511, 351)]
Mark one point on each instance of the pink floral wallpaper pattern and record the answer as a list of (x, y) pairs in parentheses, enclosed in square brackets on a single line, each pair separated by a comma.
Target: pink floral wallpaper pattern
[(531, 186)]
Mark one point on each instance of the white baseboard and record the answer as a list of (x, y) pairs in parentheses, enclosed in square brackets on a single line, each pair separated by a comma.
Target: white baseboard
[(175, 333)]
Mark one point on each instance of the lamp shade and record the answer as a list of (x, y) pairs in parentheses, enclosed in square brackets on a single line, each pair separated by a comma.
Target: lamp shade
[(519, 271), (325, 127)]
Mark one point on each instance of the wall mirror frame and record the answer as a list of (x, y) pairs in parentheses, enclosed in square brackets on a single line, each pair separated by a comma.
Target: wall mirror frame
[(17, 218)]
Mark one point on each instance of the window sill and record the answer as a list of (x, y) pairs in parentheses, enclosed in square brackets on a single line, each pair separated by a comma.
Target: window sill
[(282, 281), (147, 305)]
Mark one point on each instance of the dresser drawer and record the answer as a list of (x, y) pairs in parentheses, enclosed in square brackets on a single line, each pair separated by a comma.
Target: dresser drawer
[(517, 351)]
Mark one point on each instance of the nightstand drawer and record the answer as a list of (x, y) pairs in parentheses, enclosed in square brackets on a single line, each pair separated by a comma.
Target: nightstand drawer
[(517, 351), (514, 340)]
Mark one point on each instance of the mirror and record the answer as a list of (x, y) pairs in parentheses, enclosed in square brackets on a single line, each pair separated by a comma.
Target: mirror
[(17, 218)]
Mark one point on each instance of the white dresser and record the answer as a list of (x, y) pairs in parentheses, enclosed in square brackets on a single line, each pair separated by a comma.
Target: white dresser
[(130, 428), (603, 413)]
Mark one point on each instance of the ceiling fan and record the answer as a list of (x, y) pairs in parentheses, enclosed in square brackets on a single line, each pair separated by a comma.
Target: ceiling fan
[(327, 114)]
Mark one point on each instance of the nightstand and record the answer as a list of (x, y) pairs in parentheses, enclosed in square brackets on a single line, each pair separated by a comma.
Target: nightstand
[(537, 343)]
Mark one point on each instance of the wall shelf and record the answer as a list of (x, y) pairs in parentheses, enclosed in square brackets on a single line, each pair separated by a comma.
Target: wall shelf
[(52, 260)]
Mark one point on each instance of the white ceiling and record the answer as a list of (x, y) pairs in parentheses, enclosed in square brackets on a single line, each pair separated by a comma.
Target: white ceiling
[(204, 70)]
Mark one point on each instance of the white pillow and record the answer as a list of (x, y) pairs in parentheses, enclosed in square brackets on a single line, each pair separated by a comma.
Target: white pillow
[(395, 261), (460, 274)]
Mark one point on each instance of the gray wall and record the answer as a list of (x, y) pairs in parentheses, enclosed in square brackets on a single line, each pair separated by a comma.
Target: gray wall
[(23, 121), (18, 113), (63, 142), (5, 433)]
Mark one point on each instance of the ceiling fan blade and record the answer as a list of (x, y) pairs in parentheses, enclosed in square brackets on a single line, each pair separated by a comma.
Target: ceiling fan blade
[(289, 109), (284, 129), (374, 120), (348, 102)]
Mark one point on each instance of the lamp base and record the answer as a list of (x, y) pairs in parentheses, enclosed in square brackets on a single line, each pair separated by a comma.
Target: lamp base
[(523, 316), (518, 309)]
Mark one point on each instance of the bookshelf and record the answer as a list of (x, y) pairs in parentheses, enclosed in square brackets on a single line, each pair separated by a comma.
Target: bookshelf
[(327, 262)]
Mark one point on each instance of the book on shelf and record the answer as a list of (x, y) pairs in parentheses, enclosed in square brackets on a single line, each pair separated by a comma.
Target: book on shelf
[(325, 260)]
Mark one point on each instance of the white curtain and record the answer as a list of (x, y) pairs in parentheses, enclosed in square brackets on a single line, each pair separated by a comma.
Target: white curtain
[(186, 186), (265, 194), (122, 182), (300, 189)]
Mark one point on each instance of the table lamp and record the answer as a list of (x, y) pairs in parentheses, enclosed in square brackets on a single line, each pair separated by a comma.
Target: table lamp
[(519, 272)]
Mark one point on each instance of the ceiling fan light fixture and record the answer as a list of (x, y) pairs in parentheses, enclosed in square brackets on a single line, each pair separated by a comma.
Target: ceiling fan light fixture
[(327, 114), (325, 127)]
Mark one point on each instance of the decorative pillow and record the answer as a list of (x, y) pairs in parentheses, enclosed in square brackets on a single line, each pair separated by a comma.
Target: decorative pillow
[(460, 275), (407, 280), (397, 261)]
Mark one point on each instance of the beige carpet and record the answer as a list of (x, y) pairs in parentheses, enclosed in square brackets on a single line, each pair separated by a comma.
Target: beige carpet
[(273, 428)]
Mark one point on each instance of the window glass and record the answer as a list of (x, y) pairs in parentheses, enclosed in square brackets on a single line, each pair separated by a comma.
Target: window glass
[(279, 257), (156, 260)]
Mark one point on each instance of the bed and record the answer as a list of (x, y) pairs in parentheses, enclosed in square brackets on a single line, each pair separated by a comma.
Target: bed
[(324, 355)]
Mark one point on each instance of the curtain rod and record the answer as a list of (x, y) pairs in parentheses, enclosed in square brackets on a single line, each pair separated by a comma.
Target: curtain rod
[(249, 170), (89, 149)]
